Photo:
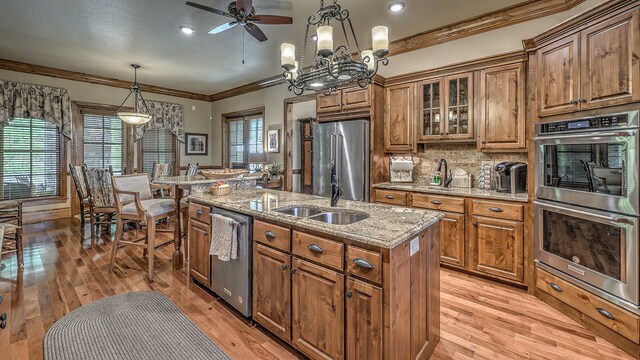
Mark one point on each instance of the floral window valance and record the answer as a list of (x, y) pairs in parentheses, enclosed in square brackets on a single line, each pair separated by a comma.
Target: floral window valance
[(53, 105), (163, 116)]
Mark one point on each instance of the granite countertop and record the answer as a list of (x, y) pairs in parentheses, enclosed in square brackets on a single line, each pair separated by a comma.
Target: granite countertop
[(469, 192), (199, 179), (386, 226)]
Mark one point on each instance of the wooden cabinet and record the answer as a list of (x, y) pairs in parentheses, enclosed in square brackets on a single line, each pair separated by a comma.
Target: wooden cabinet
[(364, 320), (329, 103), (391, 197), (199, 258), (595, 68), (558, 73), (356, 97), (272, 290), (452, 242), (446, 108), (318, 310), (610, 63), (498, 248), (502, 108), (352, 102), (399, 117)]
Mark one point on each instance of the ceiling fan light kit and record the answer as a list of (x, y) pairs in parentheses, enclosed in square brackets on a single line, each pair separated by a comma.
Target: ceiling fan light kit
[(334, 67), (136, 117)]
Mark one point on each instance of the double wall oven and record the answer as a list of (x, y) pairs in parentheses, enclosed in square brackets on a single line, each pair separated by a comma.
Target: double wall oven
[(587, 204)]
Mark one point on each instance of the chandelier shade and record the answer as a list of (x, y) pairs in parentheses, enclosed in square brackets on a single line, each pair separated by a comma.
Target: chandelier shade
[(331, 66), (136, 117)]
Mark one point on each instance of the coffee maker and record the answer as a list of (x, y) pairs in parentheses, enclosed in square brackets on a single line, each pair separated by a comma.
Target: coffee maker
[(512, 177)]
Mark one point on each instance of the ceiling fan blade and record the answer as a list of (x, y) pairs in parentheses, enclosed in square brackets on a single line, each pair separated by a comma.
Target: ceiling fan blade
[(271, 19), (209, 9), (246, 5), (223, 27), (255, 31)]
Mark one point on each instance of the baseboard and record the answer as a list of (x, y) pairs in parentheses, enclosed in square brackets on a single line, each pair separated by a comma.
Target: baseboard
[(35, 216)]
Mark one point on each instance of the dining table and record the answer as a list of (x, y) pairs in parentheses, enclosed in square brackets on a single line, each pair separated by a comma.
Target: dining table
[(185, 185)]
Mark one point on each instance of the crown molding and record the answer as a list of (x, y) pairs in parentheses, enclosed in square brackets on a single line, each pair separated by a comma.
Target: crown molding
[(95, 79)]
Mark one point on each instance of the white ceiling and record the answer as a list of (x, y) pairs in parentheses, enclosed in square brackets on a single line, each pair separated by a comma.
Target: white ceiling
[(102, 37)]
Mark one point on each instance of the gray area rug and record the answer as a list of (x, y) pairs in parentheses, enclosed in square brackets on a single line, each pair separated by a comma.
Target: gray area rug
[(135, 325)]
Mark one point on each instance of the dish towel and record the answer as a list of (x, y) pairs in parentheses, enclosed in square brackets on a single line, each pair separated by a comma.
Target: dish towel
[(224, 237)]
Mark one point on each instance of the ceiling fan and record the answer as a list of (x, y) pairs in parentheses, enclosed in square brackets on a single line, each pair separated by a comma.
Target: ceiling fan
[(244, 14)]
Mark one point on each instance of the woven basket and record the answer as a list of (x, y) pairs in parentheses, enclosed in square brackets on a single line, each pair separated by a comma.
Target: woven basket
[(218, 191)]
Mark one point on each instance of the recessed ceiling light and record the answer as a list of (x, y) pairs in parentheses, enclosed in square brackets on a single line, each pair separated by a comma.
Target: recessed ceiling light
[(396, 6), (187, 30)]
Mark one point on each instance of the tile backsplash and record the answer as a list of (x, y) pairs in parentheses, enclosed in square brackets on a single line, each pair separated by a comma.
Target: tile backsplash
[(464, 156)]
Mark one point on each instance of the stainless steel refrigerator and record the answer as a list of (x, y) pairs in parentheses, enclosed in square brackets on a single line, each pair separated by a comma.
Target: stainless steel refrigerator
[(346, 142)]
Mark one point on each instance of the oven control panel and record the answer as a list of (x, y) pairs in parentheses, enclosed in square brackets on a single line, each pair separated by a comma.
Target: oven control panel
[(585, 124)]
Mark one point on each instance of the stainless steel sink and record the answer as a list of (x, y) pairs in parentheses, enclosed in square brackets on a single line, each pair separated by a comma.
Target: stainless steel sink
[(299, 211), (339, 217)]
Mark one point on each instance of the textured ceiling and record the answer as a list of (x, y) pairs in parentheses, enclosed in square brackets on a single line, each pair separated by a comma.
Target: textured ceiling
[(102, 37)]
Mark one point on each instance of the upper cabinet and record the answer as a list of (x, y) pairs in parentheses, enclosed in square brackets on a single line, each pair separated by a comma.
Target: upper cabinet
[(502, 108), (399, 117), (594, 68), (446, 108), (353, 102)]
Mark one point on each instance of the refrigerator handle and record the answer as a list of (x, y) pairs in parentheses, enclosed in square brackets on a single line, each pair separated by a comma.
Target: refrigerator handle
[(339, 156), (333, 154)]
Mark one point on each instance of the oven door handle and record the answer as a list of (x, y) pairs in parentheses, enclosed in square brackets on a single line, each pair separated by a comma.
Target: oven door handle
[(585, 135), (621, 220)]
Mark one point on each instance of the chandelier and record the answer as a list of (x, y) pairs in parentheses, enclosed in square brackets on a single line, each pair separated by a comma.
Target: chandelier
[(135, 117), (331, 67)]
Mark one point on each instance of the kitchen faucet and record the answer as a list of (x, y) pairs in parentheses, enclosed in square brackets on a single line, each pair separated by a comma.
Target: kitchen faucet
[(336, 190), (446, 179)]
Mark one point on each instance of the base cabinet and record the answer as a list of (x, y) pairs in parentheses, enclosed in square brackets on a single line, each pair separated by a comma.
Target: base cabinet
[(364, 320), (272, 290), (452, 244), (199, 258), (318, 310), (498, 248)]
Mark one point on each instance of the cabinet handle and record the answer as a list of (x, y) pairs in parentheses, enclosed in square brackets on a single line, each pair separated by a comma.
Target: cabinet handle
[(605, 313), (348, 294), (269, 235), (390, 197), (436, 202), (315, 248), (3, 317), (556, 287), (293, 271), (206, 234), (572, 102), (285, 267), (495, 209), (446, 134), (363, 263), (199, 212), (582, 100)]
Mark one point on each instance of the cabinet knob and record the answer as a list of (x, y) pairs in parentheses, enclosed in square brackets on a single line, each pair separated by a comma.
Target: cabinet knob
[(582, 100), (269, 235), (484, 141), (293, 271), (573, 102), (348, 294), (199, 212), (285, 267), (605, 313)]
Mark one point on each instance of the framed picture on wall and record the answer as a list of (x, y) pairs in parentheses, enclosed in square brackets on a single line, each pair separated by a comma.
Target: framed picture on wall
[(273, 141), (196, 144)]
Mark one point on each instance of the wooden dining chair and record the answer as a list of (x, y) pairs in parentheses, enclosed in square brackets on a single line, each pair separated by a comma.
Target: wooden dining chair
[(81, 189), (135, 203), (159, 171), (101, 203), (11, 221), (192, 169)]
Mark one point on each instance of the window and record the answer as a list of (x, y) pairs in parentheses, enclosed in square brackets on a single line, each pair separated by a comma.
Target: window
[(244, 136), (103, 142), (157, 146), (30, 159)]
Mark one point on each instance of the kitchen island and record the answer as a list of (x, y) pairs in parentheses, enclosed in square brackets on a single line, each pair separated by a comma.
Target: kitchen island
[(366, 289)]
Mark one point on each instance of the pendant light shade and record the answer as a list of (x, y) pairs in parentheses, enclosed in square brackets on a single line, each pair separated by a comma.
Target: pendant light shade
[(325, 41), (288, 56), (136, 117), (380, 39)]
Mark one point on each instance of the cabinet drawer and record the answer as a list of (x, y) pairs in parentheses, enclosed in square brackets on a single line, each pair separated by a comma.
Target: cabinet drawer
[(272, 235), (441, 203), (364, 264), (610, 315), (498, 210), (200, 213), (391, 197), (327, 252)]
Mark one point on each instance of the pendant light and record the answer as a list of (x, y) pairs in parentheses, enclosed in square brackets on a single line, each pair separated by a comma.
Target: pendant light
[(136, 117)]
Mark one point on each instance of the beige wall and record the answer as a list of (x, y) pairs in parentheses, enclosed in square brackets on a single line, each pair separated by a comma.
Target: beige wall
[(195, 121)]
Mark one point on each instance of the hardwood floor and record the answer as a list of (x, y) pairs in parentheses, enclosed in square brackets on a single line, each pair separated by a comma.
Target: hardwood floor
[(480, 319)]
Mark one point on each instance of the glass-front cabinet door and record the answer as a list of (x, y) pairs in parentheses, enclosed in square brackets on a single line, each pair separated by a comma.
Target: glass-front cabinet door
[(459, 115), (446, 108), (431, 125)]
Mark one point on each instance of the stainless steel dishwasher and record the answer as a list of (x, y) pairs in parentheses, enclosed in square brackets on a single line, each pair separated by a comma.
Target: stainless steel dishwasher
[(231, 280)]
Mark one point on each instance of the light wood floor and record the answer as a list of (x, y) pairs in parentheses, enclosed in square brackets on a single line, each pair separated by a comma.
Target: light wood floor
[(480, 319)]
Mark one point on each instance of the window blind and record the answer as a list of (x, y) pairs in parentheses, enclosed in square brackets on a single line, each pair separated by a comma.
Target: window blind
[(30, 159), (236, 143), (103, 142), (158, 146), (245, 136)]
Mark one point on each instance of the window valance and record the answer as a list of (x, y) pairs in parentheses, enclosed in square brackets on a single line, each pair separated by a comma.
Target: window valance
[(163, 116), (53, 105)]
